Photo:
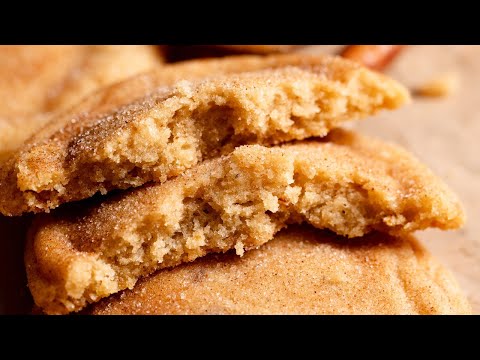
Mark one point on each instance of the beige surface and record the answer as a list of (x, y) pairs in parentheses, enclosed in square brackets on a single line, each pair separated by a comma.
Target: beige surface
[(444, 133)]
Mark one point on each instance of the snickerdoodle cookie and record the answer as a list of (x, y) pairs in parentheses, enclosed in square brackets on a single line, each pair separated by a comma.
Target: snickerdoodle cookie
[(347, 183), (174, 127)]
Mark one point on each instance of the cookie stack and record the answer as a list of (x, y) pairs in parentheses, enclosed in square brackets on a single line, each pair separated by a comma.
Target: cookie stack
[(228, 186)]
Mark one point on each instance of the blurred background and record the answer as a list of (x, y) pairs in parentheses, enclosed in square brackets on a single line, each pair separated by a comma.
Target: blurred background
[(441, 126)]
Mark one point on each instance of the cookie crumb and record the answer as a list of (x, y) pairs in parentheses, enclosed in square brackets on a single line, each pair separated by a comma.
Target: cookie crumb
[(239, 249), (440, 86)]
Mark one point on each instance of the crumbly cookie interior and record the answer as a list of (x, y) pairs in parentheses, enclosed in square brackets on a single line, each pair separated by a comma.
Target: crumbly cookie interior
[(349, 184), (175, 128)]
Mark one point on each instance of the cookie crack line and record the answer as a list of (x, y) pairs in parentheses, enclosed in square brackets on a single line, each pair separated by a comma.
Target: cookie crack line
[(112, 143), (347, 183)]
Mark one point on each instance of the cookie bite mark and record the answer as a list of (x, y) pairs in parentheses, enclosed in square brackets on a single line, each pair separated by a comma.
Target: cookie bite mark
[(346, 183)]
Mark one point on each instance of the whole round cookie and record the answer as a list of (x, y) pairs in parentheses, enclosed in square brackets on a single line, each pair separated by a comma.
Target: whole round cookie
[(302, 271)]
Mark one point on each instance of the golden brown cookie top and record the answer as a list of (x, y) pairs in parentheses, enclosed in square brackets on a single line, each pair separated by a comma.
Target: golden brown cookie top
[(31, 75), (39, 78), (105, 143), (347, 183), (302, 271)]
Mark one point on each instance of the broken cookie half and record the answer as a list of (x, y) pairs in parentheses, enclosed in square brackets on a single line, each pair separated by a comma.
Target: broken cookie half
[(347, 183), (302, 271), (270, 100)]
